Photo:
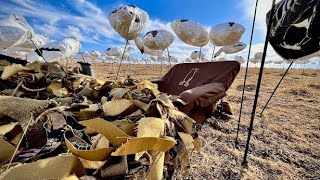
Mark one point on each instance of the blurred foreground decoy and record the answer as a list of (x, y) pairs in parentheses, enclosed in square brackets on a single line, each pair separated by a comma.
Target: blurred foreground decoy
[(295, 29)]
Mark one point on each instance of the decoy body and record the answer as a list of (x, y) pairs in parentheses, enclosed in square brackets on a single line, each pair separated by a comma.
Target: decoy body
[(226, 34), (56, 50), (231, 49), (190, 32)]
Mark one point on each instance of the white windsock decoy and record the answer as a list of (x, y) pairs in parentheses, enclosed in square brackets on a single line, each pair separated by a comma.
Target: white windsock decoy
[(254, 60), (231, 49), (14, 30), (188, 60), (158, 39), (226, 34), (133, 59), (109, 58), (95, 54), (125, 55), (144, 49), (154, 58), (280, 62), (56, 50), (21, 50), (129, 48), (222, 59), (172, 59), (190, 32), (115, 51), (14, 53), (39, 40), (240, 59), (146, 60), (258, 55), (196, 54), (269, 62), (128, 21), (205, 60), (85, 54), (164, 58)]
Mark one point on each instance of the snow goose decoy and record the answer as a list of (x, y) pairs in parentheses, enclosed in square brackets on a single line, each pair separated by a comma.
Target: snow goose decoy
[(128, 21), (191, 32), (240, 59), (226, 34), (158, 39), (188, 60), (196, 54), (38, 40), (258, 55), (56, 50), (231, 49), (21, 50), (222, 59), (115, 51), (95, 54), (254, 60), (14, 30), (173, 59), (145, 50)]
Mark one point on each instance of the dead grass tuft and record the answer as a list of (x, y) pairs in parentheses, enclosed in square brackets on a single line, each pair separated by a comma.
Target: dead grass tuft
[(300, 91), (249, 87), (315, 86)]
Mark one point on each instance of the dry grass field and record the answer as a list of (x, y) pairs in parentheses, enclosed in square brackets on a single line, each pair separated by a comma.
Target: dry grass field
[(285, 142)]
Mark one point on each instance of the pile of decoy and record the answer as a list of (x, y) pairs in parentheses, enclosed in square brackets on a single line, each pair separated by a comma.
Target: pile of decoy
[(57, 124)]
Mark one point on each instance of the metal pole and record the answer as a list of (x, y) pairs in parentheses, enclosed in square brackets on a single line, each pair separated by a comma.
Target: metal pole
[(38, 50), (169, 57), (214, 48), (161, 65), (276, 88), (245, 162), (246, 73), (82, 57), (127, 42), (200, 54), (161, 68)]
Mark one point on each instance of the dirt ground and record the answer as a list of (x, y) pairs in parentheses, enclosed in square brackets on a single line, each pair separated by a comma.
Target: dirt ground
[(286, 140)]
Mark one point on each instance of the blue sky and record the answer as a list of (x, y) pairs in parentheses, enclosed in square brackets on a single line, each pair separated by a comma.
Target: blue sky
[(87, 19)]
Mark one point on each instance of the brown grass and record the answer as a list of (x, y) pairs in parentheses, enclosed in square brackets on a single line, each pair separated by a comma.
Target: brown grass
[(285, 142)]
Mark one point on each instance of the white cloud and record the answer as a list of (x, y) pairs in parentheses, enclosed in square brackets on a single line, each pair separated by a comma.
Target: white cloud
[(86, 8), (74, 31), (54, 21)]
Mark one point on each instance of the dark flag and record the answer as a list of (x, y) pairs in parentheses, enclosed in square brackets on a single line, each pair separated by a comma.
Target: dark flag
[(295, 32)]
